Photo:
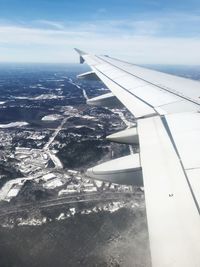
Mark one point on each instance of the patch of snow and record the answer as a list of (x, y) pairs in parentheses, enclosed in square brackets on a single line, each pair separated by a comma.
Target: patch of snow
[(11, 188), (72, 211), (100, 125), (13, 124), (56, 160), (61, 217), (72, 171), (67, 191), (48, 176), (86, 211), (7, 225), (52, 117), (114, 206), (12, 193), (23, 149), (41, 97), (78, 135), (66, 176), (89, 117), (32, 221), (87, 190), (21, 97), (69, 110), (85, 126), (37, 137), (71, 189), (98, 183), (48, 96), (102, 89), (45, 156), (53, 183)]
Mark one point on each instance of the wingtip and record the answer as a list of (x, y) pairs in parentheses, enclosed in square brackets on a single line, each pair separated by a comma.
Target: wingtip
[(80, 52)]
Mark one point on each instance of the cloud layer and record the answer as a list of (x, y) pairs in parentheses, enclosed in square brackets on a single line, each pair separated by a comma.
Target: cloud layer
[(154, 41)]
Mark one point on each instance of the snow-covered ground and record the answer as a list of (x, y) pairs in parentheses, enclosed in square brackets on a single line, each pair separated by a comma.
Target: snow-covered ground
[(55, 160), (48, 176), (52, 184), (36, 220), (12, 188), (41, 97), (52, 117), (13, 124), (31, 221), (128, 124)]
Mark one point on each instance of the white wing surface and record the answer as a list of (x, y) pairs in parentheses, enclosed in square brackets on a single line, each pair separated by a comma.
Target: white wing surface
[(167, 112)]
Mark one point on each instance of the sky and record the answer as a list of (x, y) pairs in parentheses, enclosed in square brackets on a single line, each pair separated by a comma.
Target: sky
[(138, 31)]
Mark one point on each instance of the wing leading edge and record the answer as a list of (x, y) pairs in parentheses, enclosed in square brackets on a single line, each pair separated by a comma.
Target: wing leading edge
[(167, 115)]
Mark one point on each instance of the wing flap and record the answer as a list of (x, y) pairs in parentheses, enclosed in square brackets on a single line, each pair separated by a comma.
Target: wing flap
[(173, 218), (194, 179), (185, 129)]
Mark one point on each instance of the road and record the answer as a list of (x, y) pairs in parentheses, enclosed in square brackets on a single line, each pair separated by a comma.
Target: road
[(68, 200), (55, 133), (58, 164)]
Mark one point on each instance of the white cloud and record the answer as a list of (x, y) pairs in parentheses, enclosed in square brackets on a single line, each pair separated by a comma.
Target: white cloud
[(135, 41), (55, 24)]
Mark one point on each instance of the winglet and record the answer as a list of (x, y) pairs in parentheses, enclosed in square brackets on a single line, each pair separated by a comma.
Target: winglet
[(81, 54)]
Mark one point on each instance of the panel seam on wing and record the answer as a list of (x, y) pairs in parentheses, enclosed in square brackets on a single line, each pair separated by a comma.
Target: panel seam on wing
[(161, 87)]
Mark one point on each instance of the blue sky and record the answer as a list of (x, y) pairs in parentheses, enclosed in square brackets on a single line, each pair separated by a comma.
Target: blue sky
[(141, 31)]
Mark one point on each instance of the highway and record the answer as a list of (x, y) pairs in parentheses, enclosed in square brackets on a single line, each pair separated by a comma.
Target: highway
[(68, 200)]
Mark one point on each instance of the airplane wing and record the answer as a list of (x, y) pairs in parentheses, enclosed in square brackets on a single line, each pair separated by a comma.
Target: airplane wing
[(167, 113)]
